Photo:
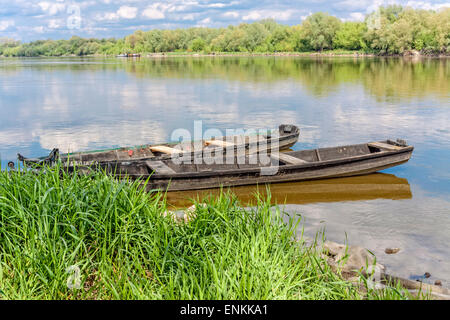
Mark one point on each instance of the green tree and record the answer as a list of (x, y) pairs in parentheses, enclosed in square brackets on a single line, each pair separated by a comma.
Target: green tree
[(197, 45), (319, 29), (350, 36)]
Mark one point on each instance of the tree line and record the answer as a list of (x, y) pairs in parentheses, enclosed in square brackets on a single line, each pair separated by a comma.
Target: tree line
[(389, 30)]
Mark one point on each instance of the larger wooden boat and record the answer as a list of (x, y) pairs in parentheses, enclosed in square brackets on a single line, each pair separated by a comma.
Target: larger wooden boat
[(282, 138), (342, 161)]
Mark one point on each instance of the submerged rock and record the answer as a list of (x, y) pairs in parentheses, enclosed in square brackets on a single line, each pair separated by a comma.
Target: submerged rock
[(350, 259), (189, 213), (356, 262), (391, 250)]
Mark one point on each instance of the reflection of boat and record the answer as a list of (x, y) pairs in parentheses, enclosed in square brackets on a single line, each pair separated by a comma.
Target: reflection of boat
[(367, 187), (284, 137), (323, 163), (128, 55)]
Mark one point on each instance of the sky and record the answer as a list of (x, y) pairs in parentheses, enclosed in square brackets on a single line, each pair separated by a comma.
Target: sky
[(28, 20)]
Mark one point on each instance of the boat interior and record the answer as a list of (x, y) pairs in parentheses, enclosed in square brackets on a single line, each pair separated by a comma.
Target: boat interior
[(207, 146), (221, 162)]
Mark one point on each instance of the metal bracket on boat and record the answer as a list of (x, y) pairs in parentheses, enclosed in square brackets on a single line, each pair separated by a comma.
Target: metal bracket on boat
[(52, 157)]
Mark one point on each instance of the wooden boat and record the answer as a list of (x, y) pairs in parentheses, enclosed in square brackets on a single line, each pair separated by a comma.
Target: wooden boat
[(128, 55), (284, 137), (342, 161), (360, 188)]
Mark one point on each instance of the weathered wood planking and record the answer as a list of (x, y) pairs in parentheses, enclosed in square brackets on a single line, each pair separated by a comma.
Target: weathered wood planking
[(287, 158), (219, 143), (340, 161), (164, 149), (383, 145), (159, 167)]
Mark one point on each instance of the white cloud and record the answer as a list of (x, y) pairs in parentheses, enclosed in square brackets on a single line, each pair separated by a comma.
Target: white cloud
[(426, 5), (204, 22), (264, 14), (188, 17), (51, 8), (357, 16), (5, 24), (39, 29), (124, 12), (351, 5), (127, 12), (253, 15), (54, 24), (231, 14), (216, 5), (107, 16), (153, 13)]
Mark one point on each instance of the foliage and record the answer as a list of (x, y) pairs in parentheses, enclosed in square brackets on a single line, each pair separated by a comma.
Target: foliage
[(350, 36), (389, 30), (319, 30)]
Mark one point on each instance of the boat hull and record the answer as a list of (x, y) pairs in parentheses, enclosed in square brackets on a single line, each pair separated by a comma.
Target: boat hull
[(322, 170), (285, 138)]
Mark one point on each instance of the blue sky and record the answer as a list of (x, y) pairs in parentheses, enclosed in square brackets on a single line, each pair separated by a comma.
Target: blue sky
[(27, 20)]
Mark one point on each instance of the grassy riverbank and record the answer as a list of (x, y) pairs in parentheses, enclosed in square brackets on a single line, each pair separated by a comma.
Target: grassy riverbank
[(250, 54), (116, 235), (324, 53)]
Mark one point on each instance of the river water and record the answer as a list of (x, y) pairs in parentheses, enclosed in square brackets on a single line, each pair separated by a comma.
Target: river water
[(90, 103)]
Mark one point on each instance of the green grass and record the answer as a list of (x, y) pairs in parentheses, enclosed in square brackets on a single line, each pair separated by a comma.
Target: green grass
[(125, 249)]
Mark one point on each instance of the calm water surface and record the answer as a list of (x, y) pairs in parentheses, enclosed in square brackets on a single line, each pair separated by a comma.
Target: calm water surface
[(81, 104)]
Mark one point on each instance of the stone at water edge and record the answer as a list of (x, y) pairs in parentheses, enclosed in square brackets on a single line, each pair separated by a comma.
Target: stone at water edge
[(356, 258), (189, 214), (186, 215), (391, 250), (438, 283)]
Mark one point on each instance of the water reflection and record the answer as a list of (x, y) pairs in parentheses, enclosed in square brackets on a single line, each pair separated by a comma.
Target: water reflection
[(368, 187), (387, 79)]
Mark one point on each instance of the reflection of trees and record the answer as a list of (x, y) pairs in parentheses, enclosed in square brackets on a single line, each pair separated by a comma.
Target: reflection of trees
[(385, 78), (391, 78)]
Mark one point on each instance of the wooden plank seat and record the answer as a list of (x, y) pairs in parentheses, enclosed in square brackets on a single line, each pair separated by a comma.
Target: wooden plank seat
[(287, 158), (382, 145), (218, 143), (164, 149), (159, 167)]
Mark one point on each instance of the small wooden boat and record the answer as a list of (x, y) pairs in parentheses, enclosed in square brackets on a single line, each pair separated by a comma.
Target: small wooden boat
[(283, 138), (128, 55), (342, 161)]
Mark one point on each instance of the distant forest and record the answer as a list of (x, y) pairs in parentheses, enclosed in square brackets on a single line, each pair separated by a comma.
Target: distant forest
[(389, 30)]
